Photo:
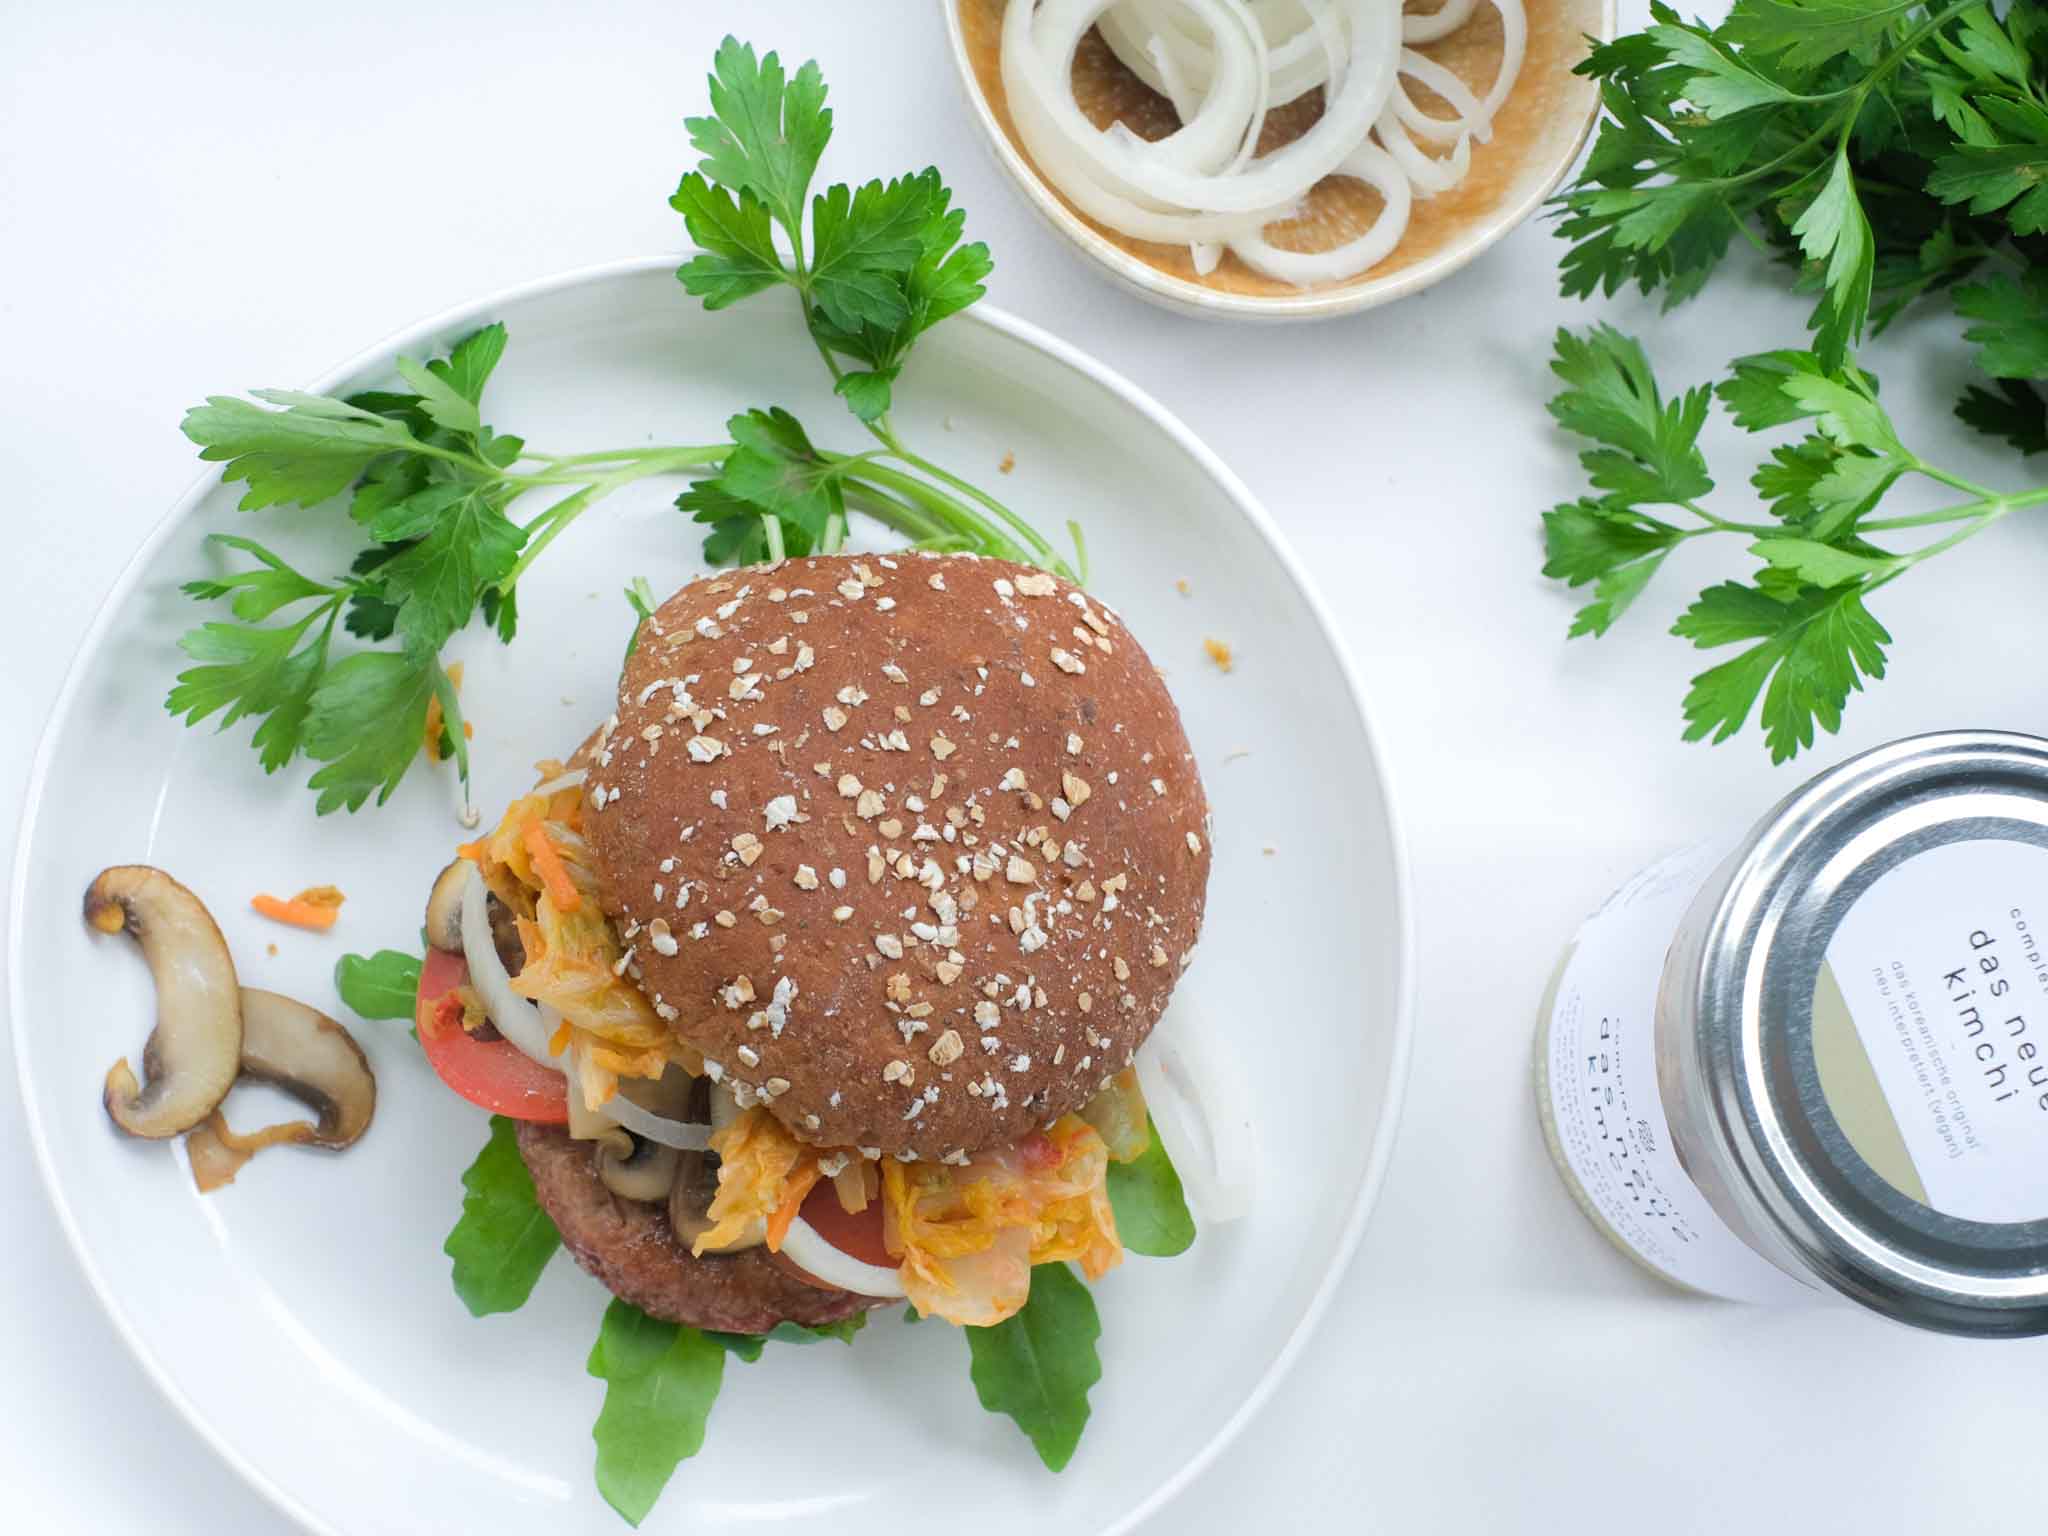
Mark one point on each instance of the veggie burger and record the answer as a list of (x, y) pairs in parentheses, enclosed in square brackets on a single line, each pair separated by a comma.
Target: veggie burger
[(816, 976)]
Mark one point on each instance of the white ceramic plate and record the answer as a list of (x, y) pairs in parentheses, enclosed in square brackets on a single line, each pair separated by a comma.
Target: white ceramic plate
[(302, 1320)]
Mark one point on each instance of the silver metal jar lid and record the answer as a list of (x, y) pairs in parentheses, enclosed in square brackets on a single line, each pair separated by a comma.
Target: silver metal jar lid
[(1738, 1002)]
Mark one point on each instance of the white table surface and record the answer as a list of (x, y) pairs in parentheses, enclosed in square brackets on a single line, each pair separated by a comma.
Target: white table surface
[(204, 197)]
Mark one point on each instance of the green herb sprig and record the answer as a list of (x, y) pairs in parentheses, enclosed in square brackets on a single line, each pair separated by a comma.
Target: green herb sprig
[(432, 488), (1882, 151), (1811, 640)]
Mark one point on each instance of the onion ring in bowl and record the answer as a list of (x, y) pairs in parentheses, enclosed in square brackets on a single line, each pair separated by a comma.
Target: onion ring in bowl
[(1441, 22), (1472, 118), (1376, 169), (1062, 164), (1044, 65), (1427, 174)]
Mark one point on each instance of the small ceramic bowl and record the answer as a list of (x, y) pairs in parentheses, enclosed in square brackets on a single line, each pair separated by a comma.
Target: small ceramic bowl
[(1536, 138)]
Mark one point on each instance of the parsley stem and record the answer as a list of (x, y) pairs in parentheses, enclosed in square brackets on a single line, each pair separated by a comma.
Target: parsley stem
[(1045, 554), (944, 512), (543, 530), (1983, 493), (893, 511), (1724, 525), (1980, 514), (634, 465)]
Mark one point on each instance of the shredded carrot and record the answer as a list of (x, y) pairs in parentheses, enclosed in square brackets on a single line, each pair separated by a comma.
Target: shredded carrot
[(437, 722), (800, 1182), (474, 852), (298, 912), (547, 863), (559, 1041)]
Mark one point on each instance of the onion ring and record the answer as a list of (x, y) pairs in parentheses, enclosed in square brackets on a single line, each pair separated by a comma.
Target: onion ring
[(516, 1018), (1441, 22), (1060, 161), (1199, 1110), (1376, 169), (1472, 120), (1426, 173), (1282, 177)]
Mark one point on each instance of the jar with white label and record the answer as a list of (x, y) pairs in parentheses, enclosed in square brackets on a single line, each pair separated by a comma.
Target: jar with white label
[(1817, 1061)]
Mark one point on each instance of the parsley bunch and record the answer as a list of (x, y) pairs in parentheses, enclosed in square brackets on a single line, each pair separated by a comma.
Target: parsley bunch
[(1883, 151), (1811, 640), (431, 488)]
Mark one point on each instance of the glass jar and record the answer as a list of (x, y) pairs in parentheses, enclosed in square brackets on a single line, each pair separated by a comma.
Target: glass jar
[(1816, 1060)]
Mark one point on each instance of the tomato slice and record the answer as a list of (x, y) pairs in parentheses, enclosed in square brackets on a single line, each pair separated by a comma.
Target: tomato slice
[(491, 1074), (857, 1234)]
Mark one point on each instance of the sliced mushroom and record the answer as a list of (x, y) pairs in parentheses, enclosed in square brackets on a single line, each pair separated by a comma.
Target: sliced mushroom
[(309, 1056), (195, 1050), (444, 907), (215, 1161), (689, 1200), (217, 1151), (312, 1058), (646, 1170)]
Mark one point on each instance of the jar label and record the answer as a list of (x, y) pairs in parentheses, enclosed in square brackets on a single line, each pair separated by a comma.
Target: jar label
[(1943, 964), (1604, 1103)]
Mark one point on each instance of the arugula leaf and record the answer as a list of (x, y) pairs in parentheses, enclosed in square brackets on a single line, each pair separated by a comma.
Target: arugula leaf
[(1038, 1365), (504, 1239), (660, 1382), (748, 1346), (766, 132), (380, 986), (798, 1333), (1151, 1212), (366, 722), (1813, 652)]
